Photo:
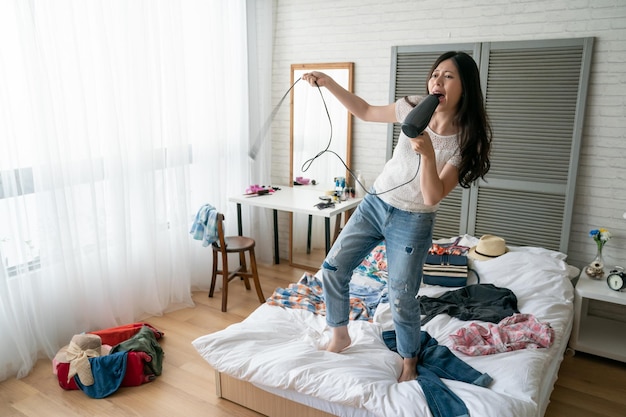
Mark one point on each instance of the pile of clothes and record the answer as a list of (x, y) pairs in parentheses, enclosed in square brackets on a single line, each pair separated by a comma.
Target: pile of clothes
[(100, 362)]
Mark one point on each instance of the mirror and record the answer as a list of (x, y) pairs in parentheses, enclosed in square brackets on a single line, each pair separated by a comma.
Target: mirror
[(311, 133)]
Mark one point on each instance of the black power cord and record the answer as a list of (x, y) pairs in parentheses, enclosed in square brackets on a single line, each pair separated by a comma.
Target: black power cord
[(414, 124)]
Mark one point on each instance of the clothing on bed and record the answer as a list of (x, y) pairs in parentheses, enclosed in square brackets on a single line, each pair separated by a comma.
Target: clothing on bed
[(372, 297), (374, 265), (484, 302), (518, 331), (308, 294), (437, 361), (452, 248)]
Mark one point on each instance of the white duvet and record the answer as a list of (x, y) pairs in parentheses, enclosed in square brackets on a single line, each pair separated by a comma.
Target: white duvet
[(283, 348)]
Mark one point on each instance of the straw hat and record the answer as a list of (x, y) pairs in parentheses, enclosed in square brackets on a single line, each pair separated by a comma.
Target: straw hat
[(488, 247), (82, 347)]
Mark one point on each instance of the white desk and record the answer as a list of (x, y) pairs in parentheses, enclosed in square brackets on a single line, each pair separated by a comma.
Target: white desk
[(296, 199)]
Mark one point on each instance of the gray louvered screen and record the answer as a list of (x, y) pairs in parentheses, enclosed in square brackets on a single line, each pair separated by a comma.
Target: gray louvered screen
[(535, 100), (448, 221), (521, 218), (531, 101), (535, 94)]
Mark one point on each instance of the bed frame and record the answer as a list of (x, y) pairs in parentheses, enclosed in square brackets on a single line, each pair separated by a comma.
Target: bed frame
[(248, 395)]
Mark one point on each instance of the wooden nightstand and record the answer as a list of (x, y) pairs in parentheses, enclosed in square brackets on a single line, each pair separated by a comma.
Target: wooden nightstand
[(599, 335)]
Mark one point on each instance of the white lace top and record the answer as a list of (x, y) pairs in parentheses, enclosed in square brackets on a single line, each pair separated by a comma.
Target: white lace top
[(405, 162)]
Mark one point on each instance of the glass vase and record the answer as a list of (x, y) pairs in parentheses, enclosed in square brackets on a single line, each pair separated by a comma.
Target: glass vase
[(595, 269)]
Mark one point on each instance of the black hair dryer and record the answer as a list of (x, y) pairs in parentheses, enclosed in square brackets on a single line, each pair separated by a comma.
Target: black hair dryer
[(418, 118)]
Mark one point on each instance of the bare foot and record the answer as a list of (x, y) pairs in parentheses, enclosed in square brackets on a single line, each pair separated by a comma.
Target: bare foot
[(409, 370), (340, 339)]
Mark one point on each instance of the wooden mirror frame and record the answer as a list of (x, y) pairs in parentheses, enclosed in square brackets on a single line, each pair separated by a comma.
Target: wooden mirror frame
[(308, 117)]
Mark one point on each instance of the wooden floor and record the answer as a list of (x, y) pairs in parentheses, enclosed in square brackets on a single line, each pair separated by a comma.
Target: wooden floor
[(587, 386)]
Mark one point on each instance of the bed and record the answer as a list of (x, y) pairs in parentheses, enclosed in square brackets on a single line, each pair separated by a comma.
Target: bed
[(274, 361)]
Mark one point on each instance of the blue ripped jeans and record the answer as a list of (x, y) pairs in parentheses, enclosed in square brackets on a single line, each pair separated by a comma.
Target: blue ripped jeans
[(407, 236), (437, 361)]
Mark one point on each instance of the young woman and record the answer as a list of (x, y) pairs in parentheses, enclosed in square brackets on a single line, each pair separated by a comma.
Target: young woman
[(402, 204)]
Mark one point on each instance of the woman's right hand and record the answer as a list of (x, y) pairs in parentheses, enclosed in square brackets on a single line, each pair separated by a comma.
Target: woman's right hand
[(316, 77)]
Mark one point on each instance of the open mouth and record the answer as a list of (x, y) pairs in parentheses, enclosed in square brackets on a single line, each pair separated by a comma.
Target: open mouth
[(437, 94)]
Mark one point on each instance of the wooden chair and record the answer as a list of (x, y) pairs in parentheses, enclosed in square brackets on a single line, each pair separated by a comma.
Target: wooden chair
[(233, 244)]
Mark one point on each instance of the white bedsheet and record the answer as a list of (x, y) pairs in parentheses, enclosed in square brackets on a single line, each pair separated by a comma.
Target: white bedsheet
[(283, 348)]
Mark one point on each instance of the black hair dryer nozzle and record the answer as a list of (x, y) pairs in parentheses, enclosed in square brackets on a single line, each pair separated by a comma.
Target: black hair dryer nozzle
[(418, 118)]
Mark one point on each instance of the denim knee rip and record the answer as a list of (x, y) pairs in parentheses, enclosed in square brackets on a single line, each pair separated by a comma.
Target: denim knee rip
[(400, 288), (327, 265), (331, 257)]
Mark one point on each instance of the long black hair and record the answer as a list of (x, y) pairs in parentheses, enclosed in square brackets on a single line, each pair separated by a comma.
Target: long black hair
[(475, 132)]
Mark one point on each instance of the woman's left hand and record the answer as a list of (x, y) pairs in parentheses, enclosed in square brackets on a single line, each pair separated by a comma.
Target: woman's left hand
[(423, 145)]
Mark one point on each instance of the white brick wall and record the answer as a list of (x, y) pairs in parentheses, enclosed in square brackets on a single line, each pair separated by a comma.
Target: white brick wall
[(364, 31)]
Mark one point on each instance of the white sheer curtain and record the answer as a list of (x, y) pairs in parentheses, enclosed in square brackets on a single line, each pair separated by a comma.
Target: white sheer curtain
[(118, 120)]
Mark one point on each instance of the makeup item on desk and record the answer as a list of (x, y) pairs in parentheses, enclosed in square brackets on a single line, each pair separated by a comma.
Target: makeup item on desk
[(340, 186)]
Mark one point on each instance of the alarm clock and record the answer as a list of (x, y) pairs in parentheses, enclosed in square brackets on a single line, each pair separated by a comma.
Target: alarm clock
[(616, 279)]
